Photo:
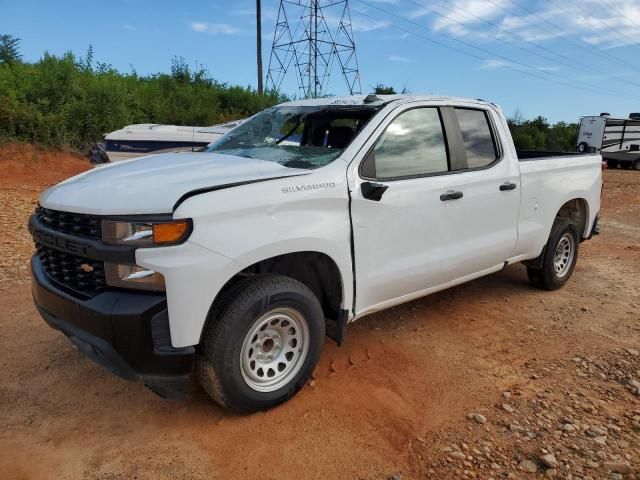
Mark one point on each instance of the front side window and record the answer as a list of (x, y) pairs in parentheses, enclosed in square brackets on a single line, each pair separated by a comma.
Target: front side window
[(413, 144), (297, 137), (476, 134)]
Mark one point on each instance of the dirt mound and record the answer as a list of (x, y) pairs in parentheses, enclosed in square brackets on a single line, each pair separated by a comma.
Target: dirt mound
[(26, 170), (25, 165)]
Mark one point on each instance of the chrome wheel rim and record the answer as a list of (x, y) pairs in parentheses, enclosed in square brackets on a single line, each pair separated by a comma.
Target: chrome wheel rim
[(274, 349), (563, 257)]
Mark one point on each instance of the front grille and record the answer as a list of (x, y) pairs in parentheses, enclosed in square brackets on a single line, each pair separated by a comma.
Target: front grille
[(82, 275), (78, 224)]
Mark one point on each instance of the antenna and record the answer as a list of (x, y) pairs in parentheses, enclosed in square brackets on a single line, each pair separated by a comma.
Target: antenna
[(310, 36)]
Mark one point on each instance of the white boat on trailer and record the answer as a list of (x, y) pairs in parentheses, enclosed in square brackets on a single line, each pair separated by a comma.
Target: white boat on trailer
[(149, 139)]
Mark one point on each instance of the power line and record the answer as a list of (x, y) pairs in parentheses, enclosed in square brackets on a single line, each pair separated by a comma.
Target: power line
[(622, 14), (512, 44), (625, 39), (579, 65), (610, 57), (527, 71)]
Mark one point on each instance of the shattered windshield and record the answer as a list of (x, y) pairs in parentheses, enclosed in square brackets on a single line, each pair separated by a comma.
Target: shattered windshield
[(296, 137)]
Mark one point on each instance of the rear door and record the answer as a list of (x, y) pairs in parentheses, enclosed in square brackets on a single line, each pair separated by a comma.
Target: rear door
[(433, 201), (485, 224)]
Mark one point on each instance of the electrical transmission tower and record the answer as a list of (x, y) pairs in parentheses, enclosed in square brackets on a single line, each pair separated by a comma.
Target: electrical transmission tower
[(310, 38)]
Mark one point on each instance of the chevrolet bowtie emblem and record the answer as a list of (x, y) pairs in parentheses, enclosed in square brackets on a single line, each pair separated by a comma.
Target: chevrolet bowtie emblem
[(86, 267)]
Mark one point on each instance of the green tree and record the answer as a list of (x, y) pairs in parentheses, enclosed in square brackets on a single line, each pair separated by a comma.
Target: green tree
[(9, 50), (381, 89), (539, 134)]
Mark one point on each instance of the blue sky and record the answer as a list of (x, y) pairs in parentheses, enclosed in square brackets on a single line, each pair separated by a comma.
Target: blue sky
[(556, 58)]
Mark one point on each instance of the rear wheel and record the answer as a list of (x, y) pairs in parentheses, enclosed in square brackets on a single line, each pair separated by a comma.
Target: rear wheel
[(583, 147), (626, 164), (559, 257), (262, 343)]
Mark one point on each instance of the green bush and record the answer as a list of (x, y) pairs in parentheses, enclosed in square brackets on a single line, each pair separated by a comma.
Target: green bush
[(68, 102)]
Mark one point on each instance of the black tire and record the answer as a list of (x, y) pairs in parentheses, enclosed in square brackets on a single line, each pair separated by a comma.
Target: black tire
[(612, 163), (582, 147), (547, 277), (626, 164), (219, 367)]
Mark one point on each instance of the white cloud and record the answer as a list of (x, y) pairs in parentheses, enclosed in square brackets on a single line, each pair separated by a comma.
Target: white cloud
[(534, 27), (495, 63), (400, 36), (361, 20), (267, 13), (214, 28), (397, 58), (615, 26), (468, 12), (126, 26), (366, 24), (605, 25)]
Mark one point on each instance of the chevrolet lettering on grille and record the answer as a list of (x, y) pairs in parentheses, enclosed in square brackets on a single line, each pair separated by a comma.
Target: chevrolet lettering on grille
[(55, 241)]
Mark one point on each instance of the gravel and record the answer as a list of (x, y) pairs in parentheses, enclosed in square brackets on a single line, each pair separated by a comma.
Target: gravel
[(569, 427)]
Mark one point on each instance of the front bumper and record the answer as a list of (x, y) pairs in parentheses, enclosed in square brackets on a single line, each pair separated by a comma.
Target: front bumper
[(126, 332)]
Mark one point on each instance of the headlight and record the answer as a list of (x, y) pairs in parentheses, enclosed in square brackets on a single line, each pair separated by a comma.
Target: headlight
[(133, 276), (146, 234)]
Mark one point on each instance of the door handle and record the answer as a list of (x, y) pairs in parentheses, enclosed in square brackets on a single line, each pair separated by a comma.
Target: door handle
[(450, 195), (373, 191), (508, 186)]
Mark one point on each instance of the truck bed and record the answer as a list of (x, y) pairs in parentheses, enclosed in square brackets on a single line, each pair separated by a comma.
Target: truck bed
[(527, 155)]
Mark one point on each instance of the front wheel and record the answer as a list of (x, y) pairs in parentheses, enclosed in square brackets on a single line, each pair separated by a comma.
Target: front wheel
[(612, 163), (262, 344), (559, 257)]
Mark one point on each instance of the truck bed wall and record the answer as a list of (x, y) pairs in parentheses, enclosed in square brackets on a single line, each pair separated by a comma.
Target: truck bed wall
[(546, 186)]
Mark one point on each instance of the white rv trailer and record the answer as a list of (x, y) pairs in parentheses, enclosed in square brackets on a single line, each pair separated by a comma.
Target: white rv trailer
[(617, 139)]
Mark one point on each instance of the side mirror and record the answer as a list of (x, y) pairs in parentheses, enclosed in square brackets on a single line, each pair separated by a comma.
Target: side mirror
[(373, 191)]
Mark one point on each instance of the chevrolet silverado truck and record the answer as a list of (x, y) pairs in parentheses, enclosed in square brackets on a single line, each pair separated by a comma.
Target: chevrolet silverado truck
[(232, 265)]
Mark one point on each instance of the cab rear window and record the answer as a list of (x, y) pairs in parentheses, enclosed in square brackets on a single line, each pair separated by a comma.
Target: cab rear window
[(478, 138)]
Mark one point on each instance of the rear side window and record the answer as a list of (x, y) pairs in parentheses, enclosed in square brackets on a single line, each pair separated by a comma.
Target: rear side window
[(478, 139), (413, 144)]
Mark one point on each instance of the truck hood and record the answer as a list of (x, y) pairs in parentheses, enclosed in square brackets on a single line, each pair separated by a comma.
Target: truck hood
[(153, 184)]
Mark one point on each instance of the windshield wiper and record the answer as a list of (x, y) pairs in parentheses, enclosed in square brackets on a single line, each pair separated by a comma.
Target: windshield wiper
[(297, 163), (282, 139)]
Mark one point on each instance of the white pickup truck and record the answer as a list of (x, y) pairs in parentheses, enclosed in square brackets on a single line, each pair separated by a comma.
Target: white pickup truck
[(233, 264)]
